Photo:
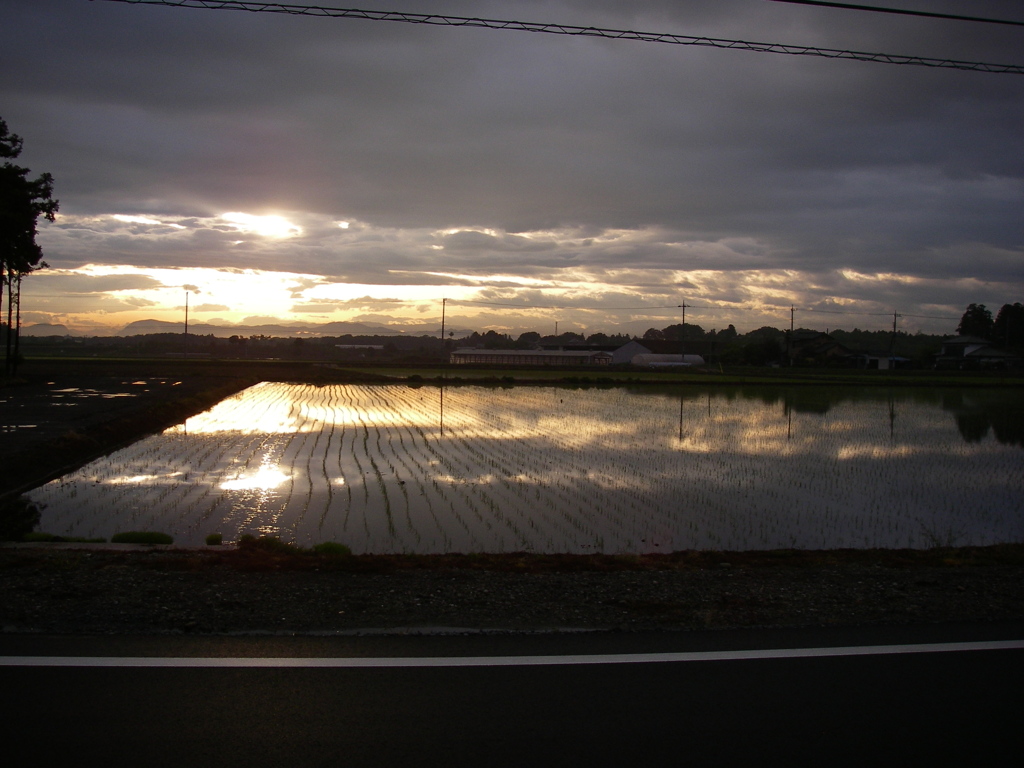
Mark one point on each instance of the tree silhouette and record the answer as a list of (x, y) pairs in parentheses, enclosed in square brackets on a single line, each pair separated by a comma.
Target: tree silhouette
[(22, 202), (681, 331), (528, 340), (977, 321), (1008, 329)]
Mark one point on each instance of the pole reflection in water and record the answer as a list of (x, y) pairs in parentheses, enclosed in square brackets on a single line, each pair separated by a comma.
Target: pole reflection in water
[(681, 401), (892, 417)]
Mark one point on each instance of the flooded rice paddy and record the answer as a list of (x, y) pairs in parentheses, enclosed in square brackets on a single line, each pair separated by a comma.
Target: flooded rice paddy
[(474, 469)]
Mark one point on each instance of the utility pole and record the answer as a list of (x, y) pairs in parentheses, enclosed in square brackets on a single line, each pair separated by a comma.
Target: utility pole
[(444, 302), (186, 325), (892, 340), (682, 329), (789, 341)]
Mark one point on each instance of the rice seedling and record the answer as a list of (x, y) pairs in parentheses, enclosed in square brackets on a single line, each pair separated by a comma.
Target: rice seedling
[(547, 469)]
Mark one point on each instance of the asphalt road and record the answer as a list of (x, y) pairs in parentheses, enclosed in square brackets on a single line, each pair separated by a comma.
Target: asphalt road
[(886, 707)]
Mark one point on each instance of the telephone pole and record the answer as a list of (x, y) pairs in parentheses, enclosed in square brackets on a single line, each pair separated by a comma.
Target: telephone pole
[(789, 340), (892, 340), (186, 325), (682, 329)]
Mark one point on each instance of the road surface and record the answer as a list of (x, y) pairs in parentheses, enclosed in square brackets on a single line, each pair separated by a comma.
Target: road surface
[(824, 697)]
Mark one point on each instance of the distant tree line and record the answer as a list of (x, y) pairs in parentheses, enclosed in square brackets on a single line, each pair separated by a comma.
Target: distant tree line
[(763, 346)]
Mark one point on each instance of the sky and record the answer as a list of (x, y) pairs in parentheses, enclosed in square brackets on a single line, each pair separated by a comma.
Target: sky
[(289, 169)]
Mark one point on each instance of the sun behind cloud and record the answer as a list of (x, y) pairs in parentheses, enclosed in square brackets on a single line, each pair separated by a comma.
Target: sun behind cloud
[(264, 226)]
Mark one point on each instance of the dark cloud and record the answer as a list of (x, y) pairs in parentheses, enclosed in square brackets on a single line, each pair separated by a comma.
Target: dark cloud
[(473, 151), (55, 282)]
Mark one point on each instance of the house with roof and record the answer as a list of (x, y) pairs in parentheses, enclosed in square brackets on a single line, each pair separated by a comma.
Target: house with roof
[(974, 353), (688, 352), (560, 357), (818, 347), (879, 361)]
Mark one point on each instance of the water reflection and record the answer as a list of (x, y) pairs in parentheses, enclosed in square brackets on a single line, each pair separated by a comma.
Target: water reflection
[(263, 479), (979, 413), (466, 468)]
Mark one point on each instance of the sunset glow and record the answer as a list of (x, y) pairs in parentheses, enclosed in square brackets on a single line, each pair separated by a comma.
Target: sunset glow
[(264, 226), (532, 181)]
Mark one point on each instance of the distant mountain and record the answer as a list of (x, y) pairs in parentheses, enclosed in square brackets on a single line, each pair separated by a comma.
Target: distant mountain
[(47, 329), (282, 330), (141, 327)]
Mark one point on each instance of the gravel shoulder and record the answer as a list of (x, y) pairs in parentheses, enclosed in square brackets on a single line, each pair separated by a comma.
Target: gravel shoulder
[(142, 590)]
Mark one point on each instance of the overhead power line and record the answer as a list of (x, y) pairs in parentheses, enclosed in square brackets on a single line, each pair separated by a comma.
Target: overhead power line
[(568, 29), (566, 306), (872, 314), (732, 308), (932, 317), (903, 12)]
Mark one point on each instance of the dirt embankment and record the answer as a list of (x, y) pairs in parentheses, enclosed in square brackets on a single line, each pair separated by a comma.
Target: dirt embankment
[(268, 590)]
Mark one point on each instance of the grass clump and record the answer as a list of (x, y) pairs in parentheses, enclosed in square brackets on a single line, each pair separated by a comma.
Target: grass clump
[(214, 539), (270, 544), (274, 545), (332, 549), (141, 537), (270, 553)]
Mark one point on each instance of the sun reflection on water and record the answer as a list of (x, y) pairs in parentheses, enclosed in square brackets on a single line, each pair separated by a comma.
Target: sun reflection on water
[(266, 478)]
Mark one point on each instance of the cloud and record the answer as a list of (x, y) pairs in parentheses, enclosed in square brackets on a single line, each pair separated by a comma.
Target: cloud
[(260, 320), (49, 281), (469, 157), (320, 307)]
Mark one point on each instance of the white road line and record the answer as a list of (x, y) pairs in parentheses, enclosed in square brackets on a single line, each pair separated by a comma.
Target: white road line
[(498, 661)]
